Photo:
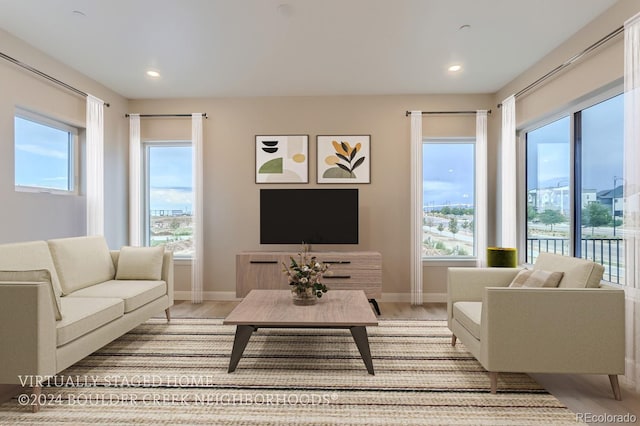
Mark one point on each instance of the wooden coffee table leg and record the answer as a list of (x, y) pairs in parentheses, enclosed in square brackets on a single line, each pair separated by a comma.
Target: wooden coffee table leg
[(243, 333), (362, 342)]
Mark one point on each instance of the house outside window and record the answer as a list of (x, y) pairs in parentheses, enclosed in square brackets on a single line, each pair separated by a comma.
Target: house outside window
[(448, 198), (45, 154), (574, 184), (168, 216)]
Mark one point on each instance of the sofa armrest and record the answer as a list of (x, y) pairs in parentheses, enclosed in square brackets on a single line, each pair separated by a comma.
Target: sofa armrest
[(468, 284), (167, 274), (554, 330), (27, 331)]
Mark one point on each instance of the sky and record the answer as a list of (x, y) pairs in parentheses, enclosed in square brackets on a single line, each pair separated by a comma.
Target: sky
[(170, 178), (602, 148), (448, 173), (41, 156)]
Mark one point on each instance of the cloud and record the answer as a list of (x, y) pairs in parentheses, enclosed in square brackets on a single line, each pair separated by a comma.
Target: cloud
[(45, 152), (171, 198)]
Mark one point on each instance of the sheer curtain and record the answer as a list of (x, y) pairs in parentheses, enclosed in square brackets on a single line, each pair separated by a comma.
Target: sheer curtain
[(416, 207), (631, 233), (135, 182), (508, 174), (95, 166), (197, 265), (481, 187)]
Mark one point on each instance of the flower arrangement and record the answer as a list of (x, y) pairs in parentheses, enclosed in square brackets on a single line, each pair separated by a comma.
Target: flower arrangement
[(305, 275)]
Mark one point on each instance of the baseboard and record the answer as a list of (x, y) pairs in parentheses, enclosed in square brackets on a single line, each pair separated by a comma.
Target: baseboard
[(386, 297), (207, 295), (406, 297)]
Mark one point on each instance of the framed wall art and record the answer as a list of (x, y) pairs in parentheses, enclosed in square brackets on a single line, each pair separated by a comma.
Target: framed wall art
[(344, 159), (282, 159)]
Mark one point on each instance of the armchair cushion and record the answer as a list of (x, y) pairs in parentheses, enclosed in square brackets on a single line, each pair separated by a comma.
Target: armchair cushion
[(140, 263), (578, 273), (468, 314), (536, 278)]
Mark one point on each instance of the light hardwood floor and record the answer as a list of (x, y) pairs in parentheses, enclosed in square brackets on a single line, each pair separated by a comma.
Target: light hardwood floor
[(583, 394)]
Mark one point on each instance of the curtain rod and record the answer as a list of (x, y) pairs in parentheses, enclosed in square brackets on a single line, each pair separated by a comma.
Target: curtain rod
[(46, 76), (204, 114), (408, 113), (570, 61)]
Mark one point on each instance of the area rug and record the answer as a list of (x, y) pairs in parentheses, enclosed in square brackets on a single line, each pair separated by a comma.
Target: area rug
[(176, 373)]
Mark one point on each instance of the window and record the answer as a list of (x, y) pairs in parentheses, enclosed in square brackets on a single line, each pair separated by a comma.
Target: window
[(577, 209), (448, 198), (169, 197), (44, 154)]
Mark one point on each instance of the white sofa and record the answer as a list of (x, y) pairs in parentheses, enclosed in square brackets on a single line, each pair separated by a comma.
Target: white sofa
[(62, 299), (577, 327)]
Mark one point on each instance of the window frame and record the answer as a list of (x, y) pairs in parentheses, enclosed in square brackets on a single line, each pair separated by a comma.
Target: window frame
[(146, 189), (572, 110), (73, 162), (445, 260)]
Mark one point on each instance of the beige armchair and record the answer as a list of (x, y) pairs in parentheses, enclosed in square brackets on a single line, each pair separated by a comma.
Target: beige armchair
[(576, 328)]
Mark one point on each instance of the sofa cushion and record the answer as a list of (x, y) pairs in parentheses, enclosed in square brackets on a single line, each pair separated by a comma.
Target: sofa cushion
[(133, 293), (34, 276), (81, 262), (140, 263), (31, 255), (536, 278), (578, 273), (82, 315), (468, 314)]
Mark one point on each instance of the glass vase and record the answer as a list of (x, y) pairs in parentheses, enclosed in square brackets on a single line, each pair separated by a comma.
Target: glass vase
[(303, 298)]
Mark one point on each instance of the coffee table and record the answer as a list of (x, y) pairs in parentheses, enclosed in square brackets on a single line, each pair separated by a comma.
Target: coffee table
[(343, 309)]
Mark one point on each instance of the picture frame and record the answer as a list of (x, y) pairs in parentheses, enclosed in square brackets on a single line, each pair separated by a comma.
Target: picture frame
[(343, 158), (282, 159)]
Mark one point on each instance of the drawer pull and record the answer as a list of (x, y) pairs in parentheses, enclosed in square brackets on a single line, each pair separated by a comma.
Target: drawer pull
[(337, 262), (337, 276), (263, 261)]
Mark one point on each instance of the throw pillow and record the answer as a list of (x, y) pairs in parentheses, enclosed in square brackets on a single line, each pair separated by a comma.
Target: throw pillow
[(140, 263), (34, 276), (536, 278)]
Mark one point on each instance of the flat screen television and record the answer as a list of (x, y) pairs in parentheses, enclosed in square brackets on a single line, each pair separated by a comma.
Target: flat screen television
[(312, 216)]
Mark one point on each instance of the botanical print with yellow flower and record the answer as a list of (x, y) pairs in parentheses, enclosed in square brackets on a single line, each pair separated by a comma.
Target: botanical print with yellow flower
[(344, 158)]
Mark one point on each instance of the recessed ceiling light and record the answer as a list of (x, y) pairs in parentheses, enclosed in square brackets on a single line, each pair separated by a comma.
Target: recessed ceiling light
[(455, 68), (153, 74)]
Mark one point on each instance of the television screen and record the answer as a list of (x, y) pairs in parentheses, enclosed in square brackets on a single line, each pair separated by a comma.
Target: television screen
[(312, 216)]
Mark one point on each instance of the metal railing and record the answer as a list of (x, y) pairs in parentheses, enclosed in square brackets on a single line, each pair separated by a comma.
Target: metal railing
[(605, 251)]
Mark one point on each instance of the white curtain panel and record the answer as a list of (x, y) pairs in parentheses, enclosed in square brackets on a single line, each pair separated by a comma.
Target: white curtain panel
[(509, 218), (135, 182), (95, 166), (197, 265), (631, 229), (481, 188), (417, 210)]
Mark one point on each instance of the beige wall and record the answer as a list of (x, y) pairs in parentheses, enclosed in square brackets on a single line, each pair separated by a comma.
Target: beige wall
[(28, 216), (231, 196)]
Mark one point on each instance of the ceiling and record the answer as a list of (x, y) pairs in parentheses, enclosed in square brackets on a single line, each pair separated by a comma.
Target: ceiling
[(218, 48)]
